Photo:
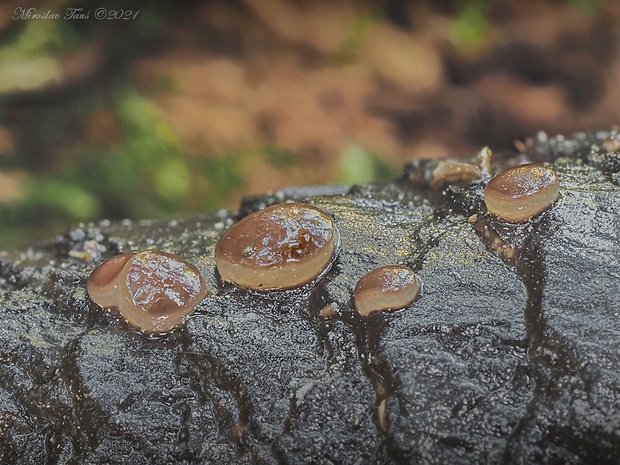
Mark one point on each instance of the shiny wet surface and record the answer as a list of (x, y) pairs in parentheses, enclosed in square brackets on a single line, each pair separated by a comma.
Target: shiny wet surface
[(498, 361)]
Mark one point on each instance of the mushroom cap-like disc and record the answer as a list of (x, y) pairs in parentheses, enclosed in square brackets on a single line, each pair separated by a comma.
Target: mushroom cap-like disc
[(103, 281), (158, 290), (280, 247), (153, 290), (451, 171), (390, 287), (521, 192)]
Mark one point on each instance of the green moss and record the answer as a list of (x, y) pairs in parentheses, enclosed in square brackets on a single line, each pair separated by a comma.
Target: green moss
[(589, 7), (280, 158), (354, 38), (356, 165), (70, 199), (470, 26)]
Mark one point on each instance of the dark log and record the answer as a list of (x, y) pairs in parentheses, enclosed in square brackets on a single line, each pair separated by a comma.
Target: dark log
[(509, 358)]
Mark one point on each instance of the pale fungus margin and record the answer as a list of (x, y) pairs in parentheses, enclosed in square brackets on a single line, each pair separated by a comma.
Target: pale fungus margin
[(522, 192), (154, 291), (283, 246)]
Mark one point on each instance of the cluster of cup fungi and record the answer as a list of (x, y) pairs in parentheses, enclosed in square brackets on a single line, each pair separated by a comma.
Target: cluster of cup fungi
[(290, 245)]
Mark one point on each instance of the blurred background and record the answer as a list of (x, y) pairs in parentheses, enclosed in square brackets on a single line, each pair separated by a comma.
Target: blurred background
[(162, 110)]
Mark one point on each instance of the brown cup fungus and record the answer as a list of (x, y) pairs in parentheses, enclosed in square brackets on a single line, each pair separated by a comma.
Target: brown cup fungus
[(390, 287), (280, 247), (521, 192), (154, 291), (453, 172)]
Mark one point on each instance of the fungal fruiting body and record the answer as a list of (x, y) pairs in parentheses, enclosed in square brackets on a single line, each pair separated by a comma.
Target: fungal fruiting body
[(154, 291), (280, 247), (612, 143), (452, 172), (521, 192), (390, 287)]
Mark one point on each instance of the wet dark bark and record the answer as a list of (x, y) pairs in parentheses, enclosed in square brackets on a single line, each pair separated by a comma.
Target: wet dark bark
[(512, 361)]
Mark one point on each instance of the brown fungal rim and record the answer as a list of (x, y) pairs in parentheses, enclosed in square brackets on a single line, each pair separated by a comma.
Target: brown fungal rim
[(281, 275), (113, 292)]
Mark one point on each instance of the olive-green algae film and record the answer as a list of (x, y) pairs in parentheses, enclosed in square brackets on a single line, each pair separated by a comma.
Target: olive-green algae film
[(494, 362)]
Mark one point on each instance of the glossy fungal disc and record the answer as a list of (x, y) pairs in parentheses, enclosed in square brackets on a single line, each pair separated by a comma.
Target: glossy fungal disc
[(390, 287), (453, 172), (280, 247), (521, 192), (153, 291), (102, 282)]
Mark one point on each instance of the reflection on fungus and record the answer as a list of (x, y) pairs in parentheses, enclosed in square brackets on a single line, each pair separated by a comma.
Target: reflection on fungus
[(280, 247), (454, 172), (521, 192), (154, 291), (390, 287)]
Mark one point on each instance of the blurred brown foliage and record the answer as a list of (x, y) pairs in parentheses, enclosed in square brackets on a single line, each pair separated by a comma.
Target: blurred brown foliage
[(290, 89)]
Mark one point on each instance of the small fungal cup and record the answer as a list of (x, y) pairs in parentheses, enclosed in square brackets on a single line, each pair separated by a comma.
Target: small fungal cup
[(154, 291), (390, 287), (521, 192), (451, 171), (280, 247)]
